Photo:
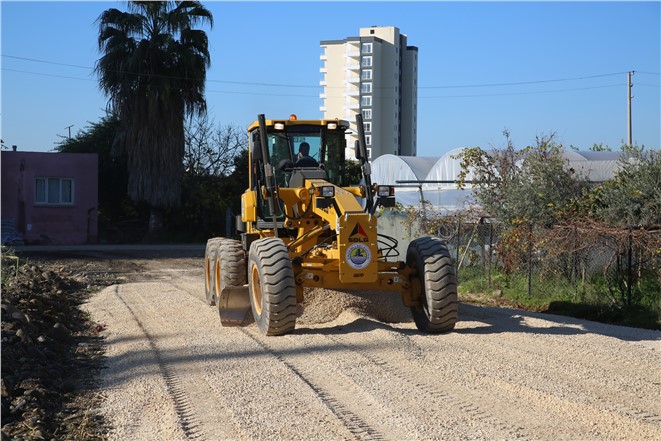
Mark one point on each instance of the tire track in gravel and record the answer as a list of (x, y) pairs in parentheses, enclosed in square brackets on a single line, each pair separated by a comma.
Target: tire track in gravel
[(436, 394), (514, 384), (588, 378), (200, 416), (600, 379), (342, 398), (182, 405), (626, 355)]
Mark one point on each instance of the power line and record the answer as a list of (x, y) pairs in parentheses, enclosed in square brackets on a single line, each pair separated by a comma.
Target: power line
[(46, 75), (518, 83), (316, 96), (523, 82), (523, 93), (46, 62)]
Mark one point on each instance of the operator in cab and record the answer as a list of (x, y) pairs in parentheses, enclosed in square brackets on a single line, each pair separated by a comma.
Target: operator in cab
[(303, 158)]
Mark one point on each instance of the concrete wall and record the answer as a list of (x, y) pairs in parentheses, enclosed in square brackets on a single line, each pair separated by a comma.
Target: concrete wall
[(64, 223)]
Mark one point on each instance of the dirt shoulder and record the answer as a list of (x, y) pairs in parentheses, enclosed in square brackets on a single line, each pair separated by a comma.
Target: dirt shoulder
[(52, 350)]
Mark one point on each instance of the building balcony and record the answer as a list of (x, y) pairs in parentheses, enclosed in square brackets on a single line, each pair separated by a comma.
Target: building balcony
[(352, 80), (322, 82), (322, 96), (323, 70), (323, 57), (322, 108), (352, 92), (352, 66), (352, 106)]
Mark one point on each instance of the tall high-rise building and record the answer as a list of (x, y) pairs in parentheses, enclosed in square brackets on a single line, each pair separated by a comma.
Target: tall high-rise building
[(376, 74)]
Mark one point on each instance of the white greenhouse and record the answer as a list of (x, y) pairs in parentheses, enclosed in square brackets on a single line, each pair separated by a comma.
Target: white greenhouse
[(432, 178)]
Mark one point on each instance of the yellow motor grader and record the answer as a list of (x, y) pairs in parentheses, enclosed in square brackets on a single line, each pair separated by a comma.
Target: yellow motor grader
[(302, 226)]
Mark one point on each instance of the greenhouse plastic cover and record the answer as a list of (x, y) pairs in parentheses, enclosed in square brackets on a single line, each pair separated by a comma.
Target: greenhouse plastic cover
[(411, 176)]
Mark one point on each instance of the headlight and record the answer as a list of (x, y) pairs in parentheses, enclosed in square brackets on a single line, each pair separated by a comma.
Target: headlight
[(383, 191), (332, 126), (327, 191), (279, 126)]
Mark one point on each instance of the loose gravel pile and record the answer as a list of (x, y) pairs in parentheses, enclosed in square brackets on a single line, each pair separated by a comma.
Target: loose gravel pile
[(324, 305)]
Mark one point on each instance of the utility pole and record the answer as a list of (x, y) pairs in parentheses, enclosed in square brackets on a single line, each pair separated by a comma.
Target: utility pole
[(629, 97), (69, 127)]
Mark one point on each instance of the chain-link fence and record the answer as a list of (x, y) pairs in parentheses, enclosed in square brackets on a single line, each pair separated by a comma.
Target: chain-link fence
[(576, 262)]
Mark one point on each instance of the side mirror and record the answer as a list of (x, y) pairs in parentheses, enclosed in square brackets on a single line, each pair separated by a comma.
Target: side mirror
[(256, 150), (357, 149)]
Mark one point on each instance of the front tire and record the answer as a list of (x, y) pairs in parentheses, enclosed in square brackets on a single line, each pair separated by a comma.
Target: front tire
[(438, 307), (272, 286)]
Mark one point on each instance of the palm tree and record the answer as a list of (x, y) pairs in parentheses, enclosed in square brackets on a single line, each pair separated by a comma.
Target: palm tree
[(153, 69)]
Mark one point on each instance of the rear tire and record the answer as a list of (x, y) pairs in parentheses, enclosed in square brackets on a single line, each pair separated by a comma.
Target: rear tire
[(229, 267), (438, 307), (209, 261), (272, 286)]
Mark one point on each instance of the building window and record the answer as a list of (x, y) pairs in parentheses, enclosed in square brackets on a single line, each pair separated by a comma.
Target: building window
[(369, 153), (367, 74), (368, 139), (368, 127), (367, 113), (366, 101), (56, 191), (367, 62), (366, 88), (367, 48)]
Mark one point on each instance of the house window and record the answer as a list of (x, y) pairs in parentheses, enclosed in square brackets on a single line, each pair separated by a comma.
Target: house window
[(367, 113), (367, 126), (367, 62), (366, 101), (366, 88), (56, 191), (367, 74), (368, 139), (367, 48)]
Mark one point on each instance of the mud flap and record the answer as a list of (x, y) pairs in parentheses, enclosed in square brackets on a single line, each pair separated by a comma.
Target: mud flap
[(234, 305)]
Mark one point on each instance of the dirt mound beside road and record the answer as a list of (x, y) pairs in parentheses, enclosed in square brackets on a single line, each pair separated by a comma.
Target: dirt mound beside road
[(50, 349)]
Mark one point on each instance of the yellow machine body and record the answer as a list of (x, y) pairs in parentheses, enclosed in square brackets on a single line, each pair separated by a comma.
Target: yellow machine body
[(304, 223)]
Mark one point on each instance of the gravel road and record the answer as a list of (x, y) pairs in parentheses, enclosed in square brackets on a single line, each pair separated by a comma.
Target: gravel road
[(357, 368)]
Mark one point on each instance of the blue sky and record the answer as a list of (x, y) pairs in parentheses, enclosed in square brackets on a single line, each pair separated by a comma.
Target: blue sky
[(572, 58)]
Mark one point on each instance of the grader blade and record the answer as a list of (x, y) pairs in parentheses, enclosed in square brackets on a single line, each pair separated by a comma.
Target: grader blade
[(233, 305)]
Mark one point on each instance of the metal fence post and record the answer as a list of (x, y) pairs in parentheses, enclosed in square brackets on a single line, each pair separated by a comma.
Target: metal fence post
[(530, 262), (490, 254), (629, 264)]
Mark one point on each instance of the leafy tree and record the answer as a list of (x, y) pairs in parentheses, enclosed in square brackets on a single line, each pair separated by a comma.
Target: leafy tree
[(153, 68), (633, 196), (530, 186), (353, 172), (600, 148), (98, 137)]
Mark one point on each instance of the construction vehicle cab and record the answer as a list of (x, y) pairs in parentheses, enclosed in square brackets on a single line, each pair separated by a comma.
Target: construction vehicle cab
[(303, 225)]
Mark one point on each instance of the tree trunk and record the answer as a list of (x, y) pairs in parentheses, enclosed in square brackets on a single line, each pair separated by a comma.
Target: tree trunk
[(155, 231)]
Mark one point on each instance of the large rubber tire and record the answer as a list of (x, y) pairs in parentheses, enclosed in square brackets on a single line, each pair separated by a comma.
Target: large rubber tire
[(229, 267), (209, 262), (272, 286), (439, 304)]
